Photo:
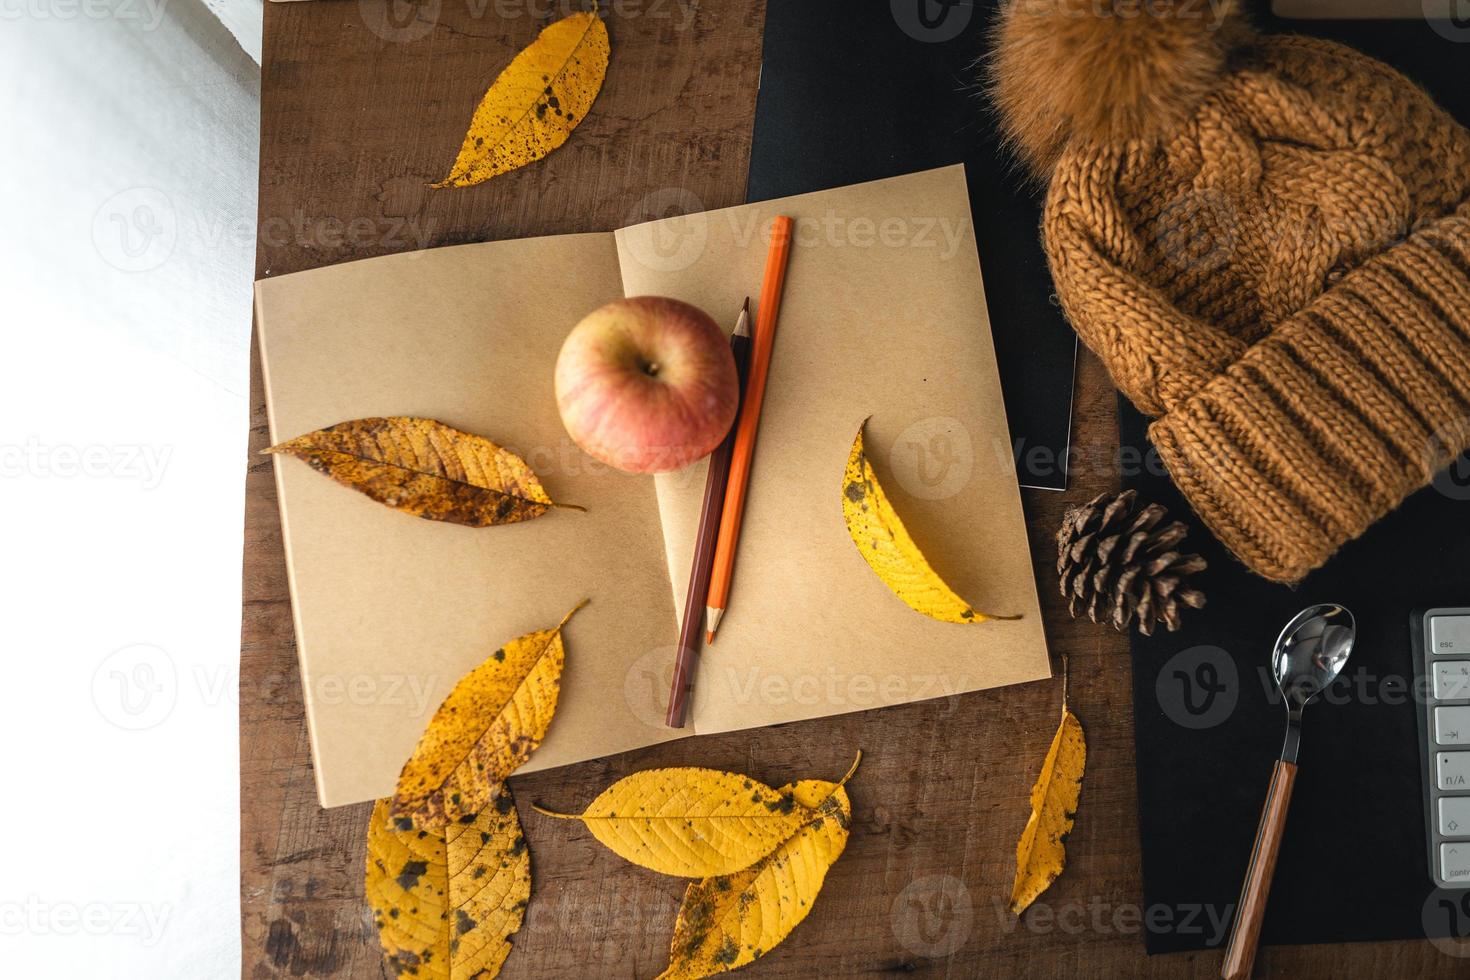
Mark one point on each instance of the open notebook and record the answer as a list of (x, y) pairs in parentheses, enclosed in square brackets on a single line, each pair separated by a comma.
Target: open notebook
[(879, 319)]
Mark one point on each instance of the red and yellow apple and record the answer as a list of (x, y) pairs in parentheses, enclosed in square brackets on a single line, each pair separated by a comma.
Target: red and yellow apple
[(647, 384)]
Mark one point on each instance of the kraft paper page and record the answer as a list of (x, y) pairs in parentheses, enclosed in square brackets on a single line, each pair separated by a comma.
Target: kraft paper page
[(879, 319), (391, 611)]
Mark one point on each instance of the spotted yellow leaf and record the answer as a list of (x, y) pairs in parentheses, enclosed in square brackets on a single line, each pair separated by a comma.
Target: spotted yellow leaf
[(728, 922), (1041, 852), (427, 469), (536, 102), (446, 902), (691, 822), (888, 549), (486, 728)]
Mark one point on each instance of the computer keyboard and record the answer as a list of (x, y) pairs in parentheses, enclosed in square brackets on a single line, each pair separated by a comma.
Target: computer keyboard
[(1441, 640)]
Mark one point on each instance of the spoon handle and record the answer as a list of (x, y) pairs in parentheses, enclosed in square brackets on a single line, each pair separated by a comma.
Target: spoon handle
[(1245, 931)]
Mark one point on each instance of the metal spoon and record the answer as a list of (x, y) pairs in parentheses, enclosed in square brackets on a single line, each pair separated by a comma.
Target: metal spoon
[(1309, 655)]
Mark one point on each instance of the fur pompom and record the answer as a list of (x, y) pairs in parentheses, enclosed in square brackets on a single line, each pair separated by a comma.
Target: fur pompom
[(1105, 71)]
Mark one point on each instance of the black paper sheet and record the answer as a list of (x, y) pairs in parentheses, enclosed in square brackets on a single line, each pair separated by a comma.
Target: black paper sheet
[(852, 92)]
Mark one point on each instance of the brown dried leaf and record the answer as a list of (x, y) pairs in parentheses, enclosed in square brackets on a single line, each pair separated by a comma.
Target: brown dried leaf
[(427, 469)]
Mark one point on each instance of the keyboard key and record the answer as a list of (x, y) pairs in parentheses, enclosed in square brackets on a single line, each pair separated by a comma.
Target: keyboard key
[(1452, 680), (1454, 816), (1452, 725), (1453, 772), (1454, 862), (1449, 634)]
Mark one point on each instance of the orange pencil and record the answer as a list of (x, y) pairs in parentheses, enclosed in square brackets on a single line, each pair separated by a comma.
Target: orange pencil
[(750, 418)]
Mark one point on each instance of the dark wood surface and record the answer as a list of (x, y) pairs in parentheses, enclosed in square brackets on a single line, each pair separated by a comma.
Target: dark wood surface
[(354, 125)]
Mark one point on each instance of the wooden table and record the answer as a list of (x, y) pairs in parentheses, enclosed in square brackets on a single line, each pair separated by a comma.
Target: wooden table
[(359, 111)]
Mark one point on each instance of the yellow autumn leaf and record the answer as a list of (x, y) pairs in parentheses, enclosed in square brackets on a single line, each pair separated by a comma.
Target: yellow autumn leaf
[(888, 549), (536, 102), (727, 922), (689, 822), (1041, 852), (484, 730), (446, 902), (427, 469)]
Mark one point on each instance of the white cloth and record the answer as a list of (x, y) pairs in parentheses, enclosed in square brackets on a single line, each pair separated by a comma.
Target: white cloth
[(128, 184)]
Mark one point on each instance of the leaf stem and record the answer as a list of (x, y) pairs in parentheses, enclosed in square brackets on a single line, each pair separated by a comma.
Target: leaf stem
[(1065, 671), (569, 615), (855, 763), (552, 813)]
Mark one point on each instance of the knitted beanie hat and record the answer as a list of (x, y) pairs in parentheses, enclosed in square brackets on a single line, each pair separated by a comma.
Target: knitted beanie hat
[(1267, 240)]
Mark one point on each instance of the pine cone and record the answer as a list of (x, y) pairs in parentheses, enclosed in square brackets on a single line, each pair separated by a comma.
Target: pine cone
[(1118, 563)]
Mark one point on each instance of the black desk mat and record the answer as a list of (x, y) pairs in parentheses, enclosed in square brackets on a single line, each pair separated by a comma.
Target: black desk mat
[(1209, 723), (852, 92)]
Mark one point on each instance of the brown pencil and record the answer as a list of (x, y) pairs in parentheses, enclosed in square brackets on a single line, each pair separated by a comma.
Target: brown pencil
[(749, 423), (704, 541)]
